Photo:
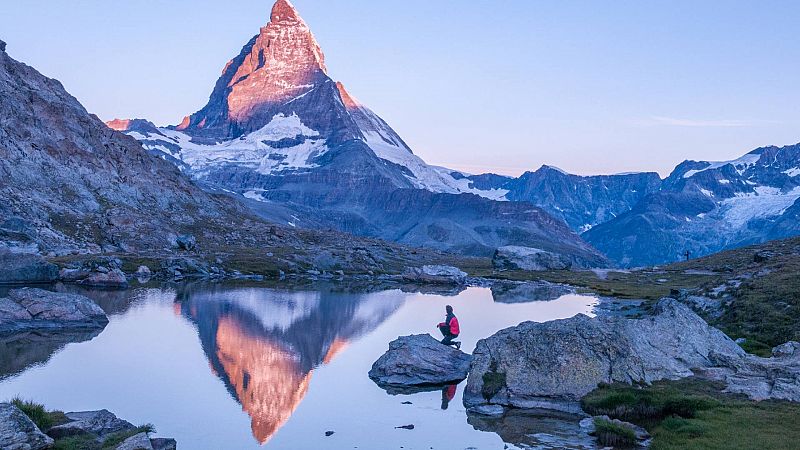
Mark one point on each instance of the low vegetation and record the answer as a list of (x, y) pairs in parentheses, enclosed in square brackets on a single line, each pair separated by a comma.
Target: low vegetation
[(694, 414), (43, 418), (610, 434)]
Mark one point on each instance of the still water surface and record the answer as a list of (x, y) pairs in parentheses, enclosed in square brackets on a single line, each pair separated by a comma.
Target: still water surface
[(227, 367)]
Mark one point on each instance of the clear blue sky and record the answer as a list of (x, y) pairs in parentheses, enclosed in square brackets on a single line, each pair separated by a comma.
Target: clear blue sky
[(479, 85)]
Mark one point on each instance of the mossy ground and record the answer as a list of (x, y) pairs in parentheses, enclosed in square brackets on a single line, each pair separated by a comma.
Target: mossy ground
[(694, 414)]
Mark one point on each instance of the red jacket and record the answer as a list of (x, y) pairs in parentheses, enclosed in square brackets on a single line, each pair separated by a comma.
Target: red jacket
[(454, 328)]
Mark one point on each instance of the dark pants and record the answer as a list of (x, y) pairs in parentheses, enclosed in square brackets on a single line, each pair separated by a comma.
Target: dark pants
[(448, 336)]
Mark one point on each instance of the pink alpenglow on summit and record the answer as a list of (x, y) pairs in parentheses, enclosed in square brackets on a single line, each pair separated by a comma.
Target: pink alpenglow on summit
[(281, 63)]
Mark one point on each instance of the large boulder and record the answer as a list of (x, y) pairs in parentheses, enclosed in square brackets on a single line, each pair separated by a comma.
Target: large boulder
[(37, 309), (139, 441), (525, 258), (554, 364), (435, 275), (18, 432), (419, 360), (99, 423), (18, 268)]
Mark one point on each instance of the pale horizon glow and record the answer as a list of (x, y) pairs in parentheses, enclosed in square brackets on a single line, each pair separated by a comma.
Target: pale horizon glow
[(590, 87)]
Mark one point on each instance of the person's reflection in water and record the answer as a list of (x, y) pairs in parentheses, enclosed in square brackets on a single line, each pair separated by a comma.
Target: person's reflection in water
[(448, 393)]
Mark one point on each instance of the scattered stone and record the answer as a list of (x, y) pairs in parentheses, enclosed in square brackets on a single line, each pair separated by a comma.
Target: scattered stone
[(186, 243), (435, 275), (17, 268), (18, 432), (763, 256), (526, 258), (419, 360), (144, 272), (405, 427), (406, 403), (136, 442), (37, 309), (329, 433), (100, 423), (106, 279), (553, 364), (164, 444)]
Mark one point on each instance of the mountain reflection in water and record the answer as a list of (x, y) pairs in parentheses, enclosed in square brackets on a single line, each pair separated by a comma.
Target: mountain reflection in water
[(264, 344)]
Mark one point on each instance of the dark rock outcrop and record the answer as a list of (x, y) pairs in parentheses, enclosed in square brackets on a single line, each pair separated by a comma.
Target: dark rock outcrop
[(18, 268), (37, 309), (419, 360), (18, 432)]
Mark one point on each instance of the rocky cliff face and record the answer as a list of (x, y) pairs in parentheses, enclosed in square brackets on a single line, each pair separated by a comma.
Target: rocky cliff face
[(582, 202), (278, 131), (69, 183), (704, 207)]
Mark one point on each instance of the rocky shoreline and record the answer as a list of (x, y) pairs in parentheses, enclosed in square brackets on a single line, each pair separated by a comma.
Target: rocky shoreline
[(87, 429)]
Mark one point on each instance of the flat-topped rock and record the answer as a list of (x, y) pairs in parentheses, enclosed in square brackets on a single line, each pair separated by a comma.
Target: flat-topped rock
[(100, 423), (37, 309), (554, 364), (419, 360), (18, 432), (435, 275)]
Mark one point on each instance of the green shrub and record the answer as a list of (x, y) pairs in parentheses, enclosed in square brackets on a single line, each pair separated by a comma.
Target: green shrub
[(35, 412), (610, 434)]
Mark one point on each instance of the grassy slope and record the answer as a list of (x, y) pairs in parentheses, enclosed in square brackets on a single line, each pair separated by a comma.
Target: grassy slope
[(694, 414)]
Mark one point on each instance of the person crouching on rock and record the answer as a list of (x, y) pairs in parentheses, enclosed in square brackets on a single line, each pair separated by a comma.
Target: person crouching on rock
[(450, 329)]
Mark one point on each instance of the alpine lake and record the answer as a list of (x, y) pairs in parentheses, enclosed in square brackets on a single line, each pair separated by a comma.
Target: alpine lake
[(246, 366)]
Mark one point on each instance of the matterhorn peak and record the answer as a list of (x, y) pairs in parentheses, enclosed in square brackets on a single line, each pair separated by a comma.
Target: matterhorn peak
[(284, 11), (282, 62)]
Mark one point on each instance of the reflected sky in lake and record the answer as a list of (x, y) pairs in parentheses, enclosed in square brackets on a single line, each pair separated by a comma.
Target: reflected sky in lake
[(250, 367)]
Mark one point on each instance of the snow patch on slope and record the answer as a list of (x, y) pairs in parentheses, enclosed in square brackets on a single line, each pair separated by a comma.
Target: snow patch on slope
[(432, 178), (765, 202), (741, 164), (260, 150)]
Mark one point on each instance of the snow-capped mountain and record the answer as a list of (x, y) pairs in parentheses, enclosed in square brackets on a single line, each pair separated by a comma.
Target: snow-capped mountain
[(283, 136), (704, 207)]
